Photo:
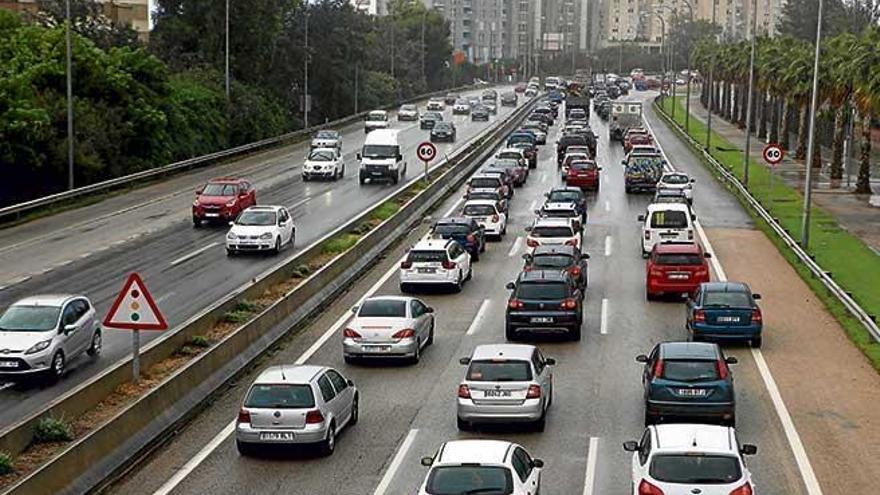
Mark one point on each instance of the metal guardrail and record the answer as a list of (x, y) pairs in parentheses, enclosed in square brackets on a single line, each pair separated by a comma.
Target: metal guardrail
[(17, 210), (823, 275)]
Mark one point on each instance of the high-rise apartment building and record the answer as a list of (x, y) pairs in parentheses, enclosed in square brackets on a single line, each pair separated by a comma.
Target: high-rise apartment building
[(134, 13)]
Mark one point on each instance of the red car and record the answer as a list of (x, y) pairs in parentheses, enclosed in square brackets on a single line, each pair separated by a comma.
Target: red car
[(637, 139), (676, 268), (222, 199), (583, 174)]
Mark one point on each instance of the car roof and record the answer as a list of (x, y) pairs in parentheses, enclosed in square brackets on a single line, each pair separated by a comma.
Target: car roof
[(689, 350), (264, 208), (725, 287), (289, 373), (225, 180), (431, 244), (460, 220), (51, 300), (484, 175), (378, 112), (389, 298), (561, 249), (676, 436), (543, 276), (474, 452), (566, 189), (325, 148), (553, 222), (481, 202), (678, 248), (487, 351), (558, 205), (518, 151), (668, 206)]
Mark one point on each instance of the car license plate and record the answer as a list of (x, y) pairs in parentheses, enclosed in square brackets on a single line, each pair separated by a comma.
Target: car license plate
[(212, 215), (8, 364), (542, 319), (728, 319), (668, 235), (678, 276), (692, 392), (377, 348), (496, 393), (376, 173), (427, 270), (276, 436)]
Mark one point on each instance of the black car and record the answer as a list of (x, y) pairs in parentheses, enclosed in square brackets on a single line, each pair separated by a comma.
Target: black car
[(570, 140), (443, 131), (563, 258), (569, 195), (465, 231), (688, 381), (544, 301), (604, 110), (480, 113), (509, 99), (429, 119)]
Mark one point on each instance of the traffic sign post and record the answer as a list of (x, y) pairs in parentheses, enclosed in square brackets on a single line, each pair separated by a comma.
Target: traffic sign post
[(134, 309), (426, 152), (773, 155)]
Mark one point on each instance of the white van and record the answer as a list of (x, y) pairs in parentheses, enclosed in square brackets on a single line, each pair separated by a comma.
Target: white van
[(665, 222), (381, 158)]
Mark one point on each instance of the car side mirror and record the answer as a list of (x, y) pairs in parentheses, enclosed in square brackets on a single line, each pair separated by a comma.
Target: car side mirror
[(527, 257), (693, 180), (599, 168), (693, 218), (399, 157), (748, 449), (510, 286), (641, 218), (546, 195), (756, 296), (427, 461), (623, 162), (429, 309), (631, 446), (199, 191), (641, 358), (537, 212), (354, 309), (585, 256), (537, 463), (358, 155), (731, 360), (464, 360), (528, 229), (350, 382), (550, 362), (707, 255), (231, 223)]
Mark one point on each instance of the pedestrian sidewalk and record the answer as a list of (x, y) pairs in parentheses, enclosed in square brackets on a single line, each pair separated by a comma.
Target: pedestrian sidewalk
[(857, 214)]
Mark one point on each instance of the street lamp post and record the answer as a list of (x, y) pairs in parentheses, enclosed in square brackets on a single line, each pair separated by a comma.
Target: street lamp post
[(687, 100), (746, 152), (664, 67), (424, 77), (69, 63), (226, 55), (306, 99), (811, 142), (711, 89)]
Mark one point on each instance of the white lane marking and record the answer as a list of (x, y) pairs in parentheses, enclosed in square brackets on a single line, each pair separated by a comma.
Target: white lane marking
[(808, 476), (396, 462), (453, 207), (478, 318), (607, 245), (603, 322), (193, 463), (590, 475), (16, 282), (165, 297), (608, 206), (193, 254), (515, 248), (532, 205), (543, 178)]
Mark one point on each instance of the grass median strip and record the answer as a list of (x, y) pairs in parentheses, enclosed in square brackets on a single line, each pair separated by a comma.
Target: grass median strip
[(851, 262)]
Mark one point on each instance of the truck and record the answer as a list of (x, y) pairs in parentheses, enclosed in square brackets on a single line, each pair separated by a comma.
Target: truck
[(381, 157), (582, 102), (624, 115)]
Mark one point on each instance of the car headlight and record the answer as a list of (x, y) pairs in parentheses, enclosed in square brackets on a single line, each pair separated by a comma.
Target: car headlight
[(231, 236), (230, 204), (267, 235), (39, 346), (196, 203)]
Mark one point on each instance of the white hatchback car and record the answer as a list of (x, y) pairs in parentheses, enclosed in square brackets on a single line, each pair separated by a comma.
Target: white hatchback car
[(554, 231), (261, 228), (683, 459), (376, 119), (323, 163), (436, 262), (482, 466), (678, 181), (489, 214), (666, 222), (388, 326)]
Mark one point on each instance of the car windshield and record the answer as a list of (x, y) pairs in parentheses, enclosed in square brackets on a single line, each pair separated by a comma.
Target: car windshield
[(542, 290), (444, 229), (29, 318), (459, 480), (552, 231), (485, 183), (689, 371), (478, 210), (564, 196), (678, 259), (376, 117), (669, 219), (443, 126), (427, 256), (280, 396), (380, 151), (383, 308), (408, 108), (552, 261), (220, 190), (695, 469), (462, 102), (321, 156), (432, 116), (520, 138), (326, 135), (676, 179), (258, 217), (727, 299), (499, 371)]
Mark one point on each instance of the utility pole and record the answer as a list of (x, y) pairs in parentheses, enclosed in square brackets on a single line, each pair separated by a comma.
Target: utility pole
[(306, 100), (69, 63), (811, 142), (226, 55), (357, 67), (687, 100), (711, 88), (747, 151), (424, 19)]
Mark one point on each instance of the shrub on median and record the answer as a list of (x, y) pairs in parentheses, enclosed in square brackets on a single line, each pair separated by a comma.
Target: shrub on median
[(52, 430)]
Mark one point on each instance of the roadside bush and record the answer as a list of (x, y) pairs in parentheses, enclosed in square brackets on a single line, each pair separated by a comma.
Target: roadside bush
[(5, 463), (52, 430)]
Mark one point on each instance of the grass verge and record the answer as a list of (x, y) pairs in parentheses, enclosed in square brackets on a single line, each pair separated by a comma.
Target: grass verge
[(853, 264)]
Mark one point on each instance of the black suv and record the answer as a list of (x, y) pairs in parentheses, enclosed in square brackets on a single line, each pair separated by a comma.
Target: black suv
[(465, 231), (544, 301), (571, 140), (567, 194), (688, 381), (563, 258)]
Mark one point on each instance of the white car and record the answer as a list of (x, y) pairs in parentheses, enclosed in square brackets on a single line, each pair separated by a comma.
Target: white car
[(514, 153), (461, 106), (261, 228), (680, 181), (436, 262), (552, 209), (482, 466), (682, 459), (531, 91), (489, 214), (388, 326), (327, 138), (377, 119), (408, 112), (553, 232), (437, 104), (666, 222), (323, 163)]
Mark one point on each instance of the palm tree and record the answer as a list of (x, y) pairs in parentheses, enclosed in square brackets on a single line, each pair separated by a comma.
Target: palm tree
[(866, 72), (797, 78), (840, 88)]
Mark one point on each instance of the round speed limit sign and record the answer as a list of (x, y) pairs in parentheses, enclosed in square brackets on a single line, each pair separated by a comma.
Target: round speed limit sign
[(426, 151), (773, 154)]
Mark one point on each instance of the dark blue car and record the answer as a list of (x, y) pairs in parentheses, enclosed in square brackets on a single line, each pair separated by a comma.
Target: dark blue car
[(466, 231), (725, 311)]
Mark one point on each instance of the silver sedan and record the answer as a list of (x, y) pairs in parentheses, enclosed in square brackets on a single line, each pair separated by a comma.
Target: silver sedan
[(389, 326)]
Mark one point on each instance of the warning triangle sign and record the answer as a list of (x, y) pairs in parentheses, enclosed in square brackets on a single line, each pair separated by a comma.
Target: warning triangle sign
[(134, 308)]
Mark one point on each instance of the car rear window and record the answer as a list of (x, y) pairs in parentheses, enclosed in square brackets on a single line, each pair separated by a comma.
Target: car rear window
[(522, 138), (681, 370), (560, 213), (542, 290), (676, 179), (455, 480), (552, 232), (280, 396), (512, 155), (583, 165), (678, 259), (478, 210), (502, 370), (427, 256), (451, 229), (564, 196), (695, 469), (379, 308), (727, 299), (485, 182), (669, 219), (484, 195), (552, 261)]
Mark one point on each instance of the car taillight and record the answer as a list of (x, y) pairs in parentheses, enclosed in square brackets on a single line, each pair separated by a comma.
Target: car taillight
[(743, 490), (350, 334), (658, 368), (756, 316), (700, 316), (568, 304), (571, 242), (655, 272), (515, 304), (534, 392), (471, 238), (406, 333), (690, 235), (464, 392), (495, 218), (647, 235), (406, 264), (722, 369), (448, 265), (314, 417), (575, 271), (646, 488), (244, 416), (531, 243)]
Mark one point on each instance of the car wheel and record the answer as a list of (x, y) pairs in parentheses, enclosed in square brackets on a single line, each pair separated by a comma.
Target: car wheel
[(504, 230), (576, 331), (277, 248), (483, 245), (509, 333), (404, 288), (57, 369), (475, 255), (649, 296), (756, 342), (355, 412), (541, 423), (462, 424), (417, 355), (230, 252), (349, 359), (470, 274), (342, 172), (458, 285), (197, 223), (305, 178), (361, 180), (95, 347), (329, 444), (649, 420), (430, 335), (245, 449)]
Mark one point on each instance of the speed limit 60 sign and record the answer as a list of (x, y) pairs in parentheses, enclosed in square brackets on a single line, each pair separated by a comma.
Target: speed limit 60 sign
[(426, 151), (773, 154)]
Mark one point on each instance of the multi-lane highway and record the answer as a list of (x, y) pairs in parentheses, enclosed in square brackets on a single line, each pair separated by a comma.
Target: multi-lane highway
[(407, 411), (90, 250)]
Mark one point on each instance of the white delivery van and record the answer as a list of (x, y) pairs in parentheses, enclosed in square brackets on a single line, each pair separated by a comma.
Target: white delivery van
[(381, 157), (666, 222)]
